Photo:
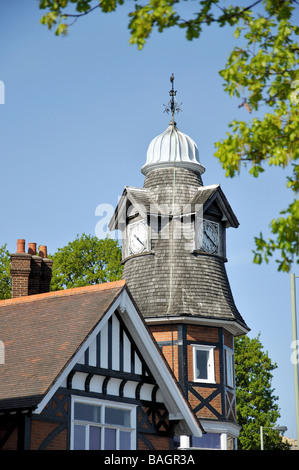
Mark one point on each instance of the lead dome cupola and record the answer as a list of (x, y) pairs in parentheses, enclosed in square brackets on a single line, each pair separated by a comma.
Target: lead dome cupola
[(172, 148)]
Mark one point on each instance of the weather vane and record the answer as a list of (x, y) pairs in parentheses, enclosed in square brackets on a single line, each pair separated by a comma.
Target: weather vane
[(173, 105)]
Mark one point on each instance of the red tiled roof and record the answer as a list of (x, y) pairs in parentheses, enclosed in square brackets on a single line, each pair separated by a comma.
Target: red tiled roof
[(41, 333)]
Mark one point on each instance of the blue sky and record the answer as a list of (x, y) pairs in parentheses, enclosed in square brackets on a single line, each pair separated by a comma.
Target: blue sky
[(78, 117)]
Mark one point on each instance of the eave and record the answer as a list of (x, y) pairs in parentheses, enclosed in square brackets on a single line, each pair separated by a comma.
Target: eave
[(215, 194), (232, 326)]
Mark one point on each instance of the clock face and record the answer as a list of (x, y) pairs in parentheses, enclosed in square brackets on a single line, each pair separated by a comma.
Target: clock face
[(210, 236), (137, 238)]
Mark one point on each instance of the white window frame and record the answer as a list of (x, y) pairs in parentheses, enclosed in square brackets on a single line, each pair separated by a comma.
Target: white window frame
[(103, 404), (210, 363), (229, 362)]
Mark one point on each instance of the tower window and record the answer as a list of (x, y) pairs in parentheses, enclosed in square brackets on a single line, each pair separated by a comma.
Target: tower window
[(203, 363), (229, 368)]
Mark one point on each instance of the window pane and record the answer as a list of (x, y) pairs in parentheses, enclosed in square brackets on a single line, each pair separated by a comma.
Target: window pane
[(202, 358), (229, 369), (117, 416), (176, 442), (207, 441), (124, 440), (94, 438), (79, 437), (85, 412), (110, 439)]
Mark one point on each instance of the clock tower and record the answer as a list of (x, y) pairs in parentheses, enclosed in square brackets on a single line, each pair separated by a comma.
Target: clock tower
[(174, 255)]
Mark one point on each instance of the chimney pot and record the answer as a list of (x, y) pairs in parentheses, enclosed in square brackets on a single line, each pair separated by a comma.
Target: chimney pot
[(21, 245), (32, 248), (43, 251), (30, 274)]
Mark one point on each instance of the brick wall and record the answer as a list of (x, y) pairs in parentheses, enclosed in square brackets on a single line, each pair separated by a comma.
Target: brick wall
[(20, 272), (164, 332), (12, 442), (198, 334), (206, 412), (228, 339), (154, 443), (41, 430), (168, 334), (202, 333), (171, 355)]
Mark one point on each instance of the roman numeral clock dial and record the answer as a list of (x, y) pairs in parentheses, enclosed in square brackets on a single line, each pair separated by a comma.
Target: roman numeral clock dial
[(137, 238), (208, 237)]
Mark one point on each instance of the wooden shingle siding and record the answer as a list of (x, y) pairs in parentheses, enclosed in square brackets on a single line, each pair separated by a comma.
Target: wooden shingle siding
[(172, 278)]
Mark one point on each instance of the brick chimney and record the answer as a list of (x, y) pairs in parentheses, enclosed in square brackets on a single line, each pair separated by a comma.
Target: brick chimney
[(46, 272), (30, 273), (20, 270)]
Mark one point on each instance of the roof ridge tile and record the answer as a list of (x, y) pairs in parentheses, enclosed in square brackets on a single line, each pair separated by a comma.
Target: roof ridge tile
[(63, 292)]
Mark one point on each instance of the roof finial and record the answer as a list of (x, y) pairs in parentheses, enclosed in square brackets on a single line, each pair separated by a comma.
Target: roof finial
[(173, 104)]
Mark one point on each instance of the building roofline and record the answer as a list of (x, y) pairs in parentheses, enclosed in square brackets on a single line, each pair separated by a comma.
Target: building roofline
[(63, 293)]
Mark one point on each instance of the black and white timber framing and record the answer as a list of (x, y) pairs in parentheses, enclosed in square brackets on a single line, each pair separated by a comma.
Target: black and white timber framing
[(120, 362)]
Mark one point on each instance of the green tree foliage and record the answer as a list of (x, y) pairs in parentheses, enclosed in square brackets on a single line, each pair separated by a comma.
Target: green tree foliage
[(5, 279), (265, 71), (86, 260), (261, 72), (256, 403)]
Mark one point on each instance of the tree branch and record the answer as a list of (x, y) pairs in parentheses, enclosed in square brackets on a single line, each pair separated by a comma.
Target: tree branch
[(77, 15)]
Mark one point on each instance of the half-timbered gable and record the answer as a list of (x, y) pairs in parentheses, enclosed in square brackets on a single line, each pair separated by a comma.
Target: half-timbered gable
[(91, 375)]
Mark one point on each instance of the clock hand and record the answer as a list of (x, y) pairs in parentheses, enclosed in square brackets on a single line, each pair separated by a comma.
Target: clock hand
[(210, 238), (138, 239)]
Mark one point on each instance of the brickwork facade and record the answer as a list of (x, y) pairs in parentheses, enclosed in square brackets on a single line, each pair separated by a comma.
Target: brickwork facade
[(209, 401), (47, 436)]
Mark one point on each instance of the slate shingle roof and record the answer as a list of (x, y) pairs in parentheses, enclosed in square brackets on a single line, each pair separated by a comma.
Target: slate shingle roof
[(206, 195), (41, 333), (172, 279), (188, 285)]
